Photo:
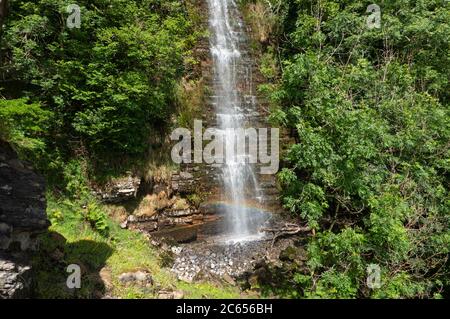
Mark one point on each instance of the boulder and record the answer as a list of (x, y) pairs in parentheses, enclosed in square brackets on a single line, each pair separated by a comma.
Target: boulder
[(141, 278)]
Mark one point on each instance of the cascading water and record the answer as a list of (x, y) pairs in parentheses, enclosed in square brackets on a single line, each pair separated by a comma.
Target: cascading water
[(232, 247), (235, 103)]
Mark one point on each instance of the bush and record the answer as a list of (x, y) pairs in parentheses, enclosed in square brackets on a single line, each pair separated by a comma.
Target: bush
[(369, 170)]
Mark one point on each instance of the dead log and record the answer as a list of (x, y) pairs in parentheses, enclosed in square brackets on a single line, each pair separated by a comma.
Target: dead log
[(287, 229)]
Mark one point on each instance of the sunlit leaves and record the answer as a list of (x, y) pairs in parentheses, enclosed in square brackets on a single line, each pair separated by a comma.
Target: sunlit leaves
[(369, 109)]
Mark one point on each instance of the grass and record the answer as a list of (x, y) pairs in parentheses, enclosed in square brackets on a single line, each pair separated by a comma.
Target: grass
[(72, 240)]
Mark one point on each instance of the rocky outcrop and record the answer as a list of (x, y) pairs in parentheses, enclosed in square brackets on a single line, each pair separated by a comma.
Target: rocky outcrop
[(172, 223), (22, 218), (118, 190), (15, 276), (22, 198)]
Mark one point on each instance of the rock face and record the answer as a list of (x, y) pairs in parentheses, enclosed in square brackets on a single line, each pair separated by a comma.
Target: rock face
[(22, 201), (15, 276), (22, 217), (119, 190)]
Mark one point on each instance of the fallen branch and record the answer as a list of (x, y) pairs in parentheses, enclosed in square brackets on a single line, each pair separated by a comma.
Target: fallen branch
[(285, 230)]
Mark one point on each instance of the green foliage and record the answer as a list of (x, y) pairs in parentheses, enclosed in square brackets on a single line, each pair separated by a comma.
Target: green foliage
[(25, 124), (106, 84), (75, 179), (269, 65), (195, 199), (333, 284), (97, 218), (369, 171)]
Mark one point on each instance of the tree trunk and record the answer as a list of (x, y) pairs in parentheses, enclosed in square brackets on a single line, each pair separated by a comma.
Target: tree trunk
[(3, 12)]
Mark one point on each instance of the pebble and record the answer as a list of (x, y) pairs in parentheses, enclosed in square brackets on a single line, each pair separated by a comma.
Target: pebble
[(218, 260)]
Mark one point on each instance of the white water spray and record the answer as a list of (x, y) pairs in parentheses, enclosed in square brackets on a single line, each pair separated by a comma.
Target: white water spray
[(235, 101)]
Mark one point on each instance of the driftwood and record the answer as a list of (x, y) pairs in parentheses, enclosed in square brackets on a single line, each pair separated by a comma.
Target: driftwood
[(287, 229)]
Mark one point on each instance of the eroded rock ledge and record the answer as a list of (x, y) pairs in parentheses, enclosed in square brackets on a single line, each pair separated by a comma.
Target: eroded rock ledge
[(119, 189)]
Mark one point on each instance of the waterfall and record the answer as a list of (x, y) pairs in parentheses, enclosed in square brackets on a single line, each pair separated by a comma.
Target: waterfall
[(234, 103)]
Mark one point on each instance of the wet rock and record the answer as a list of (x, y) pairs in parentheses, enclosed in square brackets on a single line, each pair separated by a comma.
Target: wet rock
[(180, 234)]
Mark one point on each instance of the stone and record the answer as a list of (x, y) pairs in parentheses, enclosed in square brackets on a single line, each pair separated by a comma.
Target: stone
[(15, 277), (155, 243), (169, 294), (178, 213), (228, 279), (148, 226), (119, 190), (140, 278), (186, 175), (253, 281), (177, 250), (175, 186), (106, 278)]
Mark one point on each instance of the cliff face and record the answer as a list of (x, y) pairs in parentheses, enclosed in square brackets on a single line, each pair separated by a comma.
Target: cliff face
[(22, 217)]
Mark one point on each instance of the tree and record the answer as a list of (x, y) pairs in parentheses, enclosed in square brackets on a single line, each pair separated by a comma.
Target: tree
[(369, 172)]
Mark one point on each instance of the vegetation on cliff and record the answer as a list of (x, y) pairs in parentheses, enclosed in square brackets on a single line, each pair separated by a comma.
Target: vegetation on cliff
[(88, 103), (97, 91), (369, 110)]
